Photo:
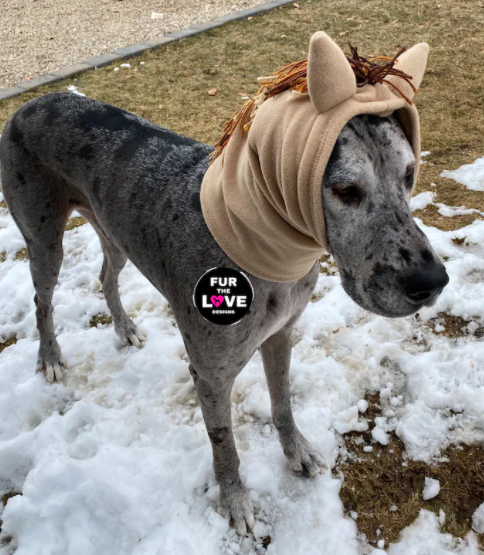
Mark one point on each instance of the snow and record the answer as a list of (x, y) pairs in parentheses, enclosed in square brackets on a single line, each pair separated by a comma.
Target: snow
[(75, 90), (470, 175), (379, 435), (478, 519), (116, 459), (347, 421), (423, 537), (422, 200), (431, 489)]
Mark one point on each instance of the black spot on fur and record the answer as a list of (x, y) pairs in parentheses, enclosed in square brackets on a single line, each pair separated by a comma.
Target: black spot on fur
[(42, 219), (168, 204), (426, 255), (405, 254), (86, 152), (375, 121), (195, 202), (16, 135), (96, 188), (53, 113), (21, 178), (217, 435), (271, 305)]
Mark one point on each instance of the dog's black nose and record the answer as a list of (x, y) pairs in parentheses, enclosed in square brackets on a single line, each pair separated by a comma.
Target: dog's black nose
[(424, 285)]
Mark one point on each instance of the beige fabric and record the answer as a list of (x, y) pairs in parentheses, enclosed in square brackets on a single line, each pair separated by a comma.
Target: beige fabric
[(261, 198)]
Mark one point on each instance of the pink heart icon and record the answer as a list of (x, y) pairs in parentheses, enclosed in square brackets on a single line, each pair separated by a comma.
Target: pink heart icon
[(217, 301)]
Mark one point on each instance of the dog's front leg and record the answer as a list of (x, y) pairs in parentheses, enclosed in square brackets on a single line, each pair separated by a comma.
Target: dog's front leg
[(303, 459), (235, 500)]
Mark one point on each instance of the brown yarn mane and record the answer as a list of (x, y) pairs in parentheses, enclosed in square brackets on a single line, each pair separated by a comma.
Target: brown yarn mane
[(294, 77)]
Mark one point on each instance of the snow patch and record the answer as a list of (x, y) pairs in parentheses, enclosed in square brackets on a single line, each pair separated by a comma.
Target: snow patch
[(431, 489), (422, 200), (470, 175)]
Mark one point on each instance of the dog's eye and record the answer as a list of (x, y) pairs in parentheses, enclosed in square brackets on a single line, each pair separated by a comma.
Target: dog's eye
[(349, 194), (409, 176)]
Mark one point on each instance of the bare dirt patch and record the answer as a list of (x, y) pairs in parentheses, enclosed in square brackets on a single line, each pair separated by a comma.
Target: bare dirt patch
[(385, 488)]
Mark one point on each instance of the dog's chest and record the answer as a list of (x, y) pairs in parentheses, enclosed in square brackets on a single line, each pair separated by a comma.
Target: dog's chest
[(282, 304)]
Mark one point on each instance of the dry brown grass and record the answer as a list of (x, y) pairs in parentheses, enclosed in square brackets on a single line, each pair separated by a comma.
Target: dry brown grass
[(22, 254), (100, 319), (376, 483), (77, 221), (430, 215), (7, 343), (455, 326)]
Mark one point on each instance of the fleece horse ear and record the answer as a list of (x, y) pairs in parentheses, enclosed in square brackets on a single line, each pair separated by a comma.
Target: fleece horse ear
[(413, 62), (330, 77)]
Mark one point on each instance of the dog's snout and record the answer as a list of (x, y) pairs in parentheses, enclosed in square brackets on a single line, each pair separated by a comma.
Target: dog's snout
[(426, 284)]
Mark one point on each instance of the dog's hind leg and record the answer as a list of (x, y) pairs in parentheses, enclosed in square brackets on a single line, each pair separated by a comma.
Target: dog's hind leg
[(303, 459), (114, 261), (41, 212)]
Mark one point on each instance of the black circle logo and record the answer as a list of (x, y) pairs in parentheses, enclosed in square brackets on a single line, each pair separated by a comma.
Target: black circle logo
[(223, 296)]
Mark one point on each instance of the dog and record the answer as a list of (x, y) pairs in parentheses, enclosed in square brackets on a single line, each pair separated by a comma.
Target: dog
[(139, 187)]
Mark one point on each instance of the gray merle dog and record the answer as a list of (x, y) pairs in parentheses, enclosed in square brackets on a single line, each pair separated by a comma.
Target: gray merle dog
[(139, 187)]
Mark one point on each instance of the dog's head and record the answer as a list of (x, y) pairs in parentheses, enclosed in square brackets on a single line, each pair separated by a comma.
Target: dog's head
[(386, 263)]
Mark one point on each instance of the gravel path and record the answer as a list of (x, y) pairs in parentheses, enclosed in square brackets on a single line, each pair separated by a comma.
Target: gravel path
[(38, 36)]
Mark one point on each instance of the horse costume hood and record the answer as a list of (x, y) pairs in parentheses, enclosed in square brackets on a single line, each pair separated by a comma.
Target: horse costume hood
[(262, 194)]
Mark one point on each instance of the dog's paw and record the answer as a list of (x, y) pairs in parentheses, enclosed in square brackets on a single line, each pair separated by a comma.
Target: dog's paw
[(52, 370), (129, 334), (302, 457), (236, 505)]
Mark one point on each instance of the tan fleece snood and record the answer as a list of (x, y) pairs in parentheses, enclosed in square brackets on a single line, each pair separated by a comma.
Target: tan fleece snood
[(261, 198)]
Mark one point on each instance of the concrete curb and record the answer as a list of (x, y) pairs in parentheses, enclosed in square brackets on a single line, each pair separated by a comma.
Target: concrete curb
[(136, 49)]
